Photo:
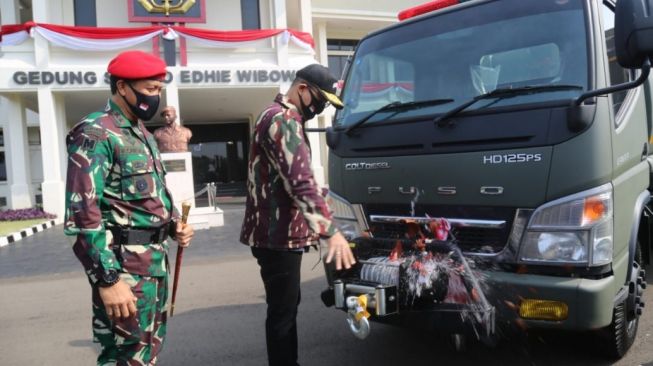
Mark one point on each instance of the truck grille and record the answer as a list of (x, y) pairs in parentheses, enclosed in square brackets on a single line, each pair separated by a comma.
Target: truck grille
[(480, 230)]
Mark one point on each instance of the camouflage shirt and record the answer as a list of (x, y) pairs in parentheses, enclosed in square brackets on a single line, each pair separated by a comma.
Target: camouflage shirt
[(285, 208), (115, 178)]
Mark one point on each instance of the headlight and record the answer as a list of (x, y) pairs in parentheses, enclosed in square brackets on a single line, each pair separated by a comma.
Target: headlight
[(572, 230), (555, 246), (348, 218)]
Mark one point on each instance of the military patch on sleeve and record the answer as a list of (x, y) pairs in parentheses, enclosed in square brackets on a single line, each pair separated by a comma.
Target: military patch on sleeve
[(141, 185), (139, 164), (89, 143), (91, 134)]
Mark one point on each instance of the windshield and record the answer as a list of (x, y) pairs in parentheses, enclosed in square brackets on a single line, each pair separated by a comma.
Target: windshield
[(466, 53)]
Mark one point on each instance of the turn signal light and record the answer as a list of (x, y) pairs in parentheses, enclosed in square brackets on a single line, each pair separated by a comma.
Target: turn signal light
[(593, 210), (543, 310)]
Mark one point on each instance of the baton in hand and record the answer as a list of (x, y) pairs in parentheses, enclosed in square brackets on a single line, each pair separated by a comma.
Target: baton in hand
[(185, 209)]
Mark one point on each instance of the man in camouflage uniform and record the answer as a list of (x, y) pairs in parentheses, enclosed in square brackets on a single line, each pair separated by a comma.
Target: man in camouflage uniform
[(121, 213), (285, 210)]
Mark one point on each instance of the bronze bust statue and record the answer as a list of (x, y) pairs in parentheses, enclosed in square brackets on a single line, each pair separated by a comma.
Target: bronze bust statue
[(172, 137)]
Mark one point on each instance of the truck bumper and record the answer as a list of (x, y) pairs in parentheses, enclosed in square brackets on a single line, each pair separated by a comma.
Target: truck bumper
[(384, 307), (590, 301)]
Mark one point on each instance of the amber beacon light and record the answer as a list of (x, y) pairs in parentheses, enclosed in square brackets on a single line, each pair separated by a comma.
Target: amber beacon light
[(427, 8)]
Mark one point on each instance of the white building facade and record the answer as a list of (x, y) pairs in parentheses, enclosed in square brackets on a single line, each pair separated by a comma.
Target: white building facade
[(47, 87)]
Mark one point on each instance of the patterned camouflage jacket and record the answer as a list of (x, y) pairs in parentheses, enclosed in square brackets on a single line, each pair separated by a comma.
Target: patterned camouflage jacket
[(285, 208), (115, 177)]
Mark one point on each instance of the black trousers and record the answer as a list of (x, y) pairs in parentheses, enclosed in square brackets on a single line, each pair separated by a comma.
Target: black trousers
[(280, 271)]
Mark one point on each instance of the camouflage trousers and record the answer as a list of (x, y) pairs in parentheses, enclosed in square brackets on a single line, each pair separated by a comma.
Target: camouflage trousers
[(138, 339)]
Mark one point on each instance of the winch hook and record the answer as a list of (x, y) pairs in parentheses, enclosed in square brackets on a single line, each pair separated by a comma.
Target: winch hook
[(357, 316)]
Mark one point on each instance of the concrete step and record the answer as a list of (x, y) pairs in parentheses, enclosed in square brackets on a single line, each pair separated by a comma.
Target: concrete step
[(205, 217)]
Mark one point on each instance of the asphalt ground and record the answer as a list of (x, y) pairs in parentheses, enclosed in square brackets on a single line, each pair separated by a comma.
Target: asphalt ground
[(45, 316), (50, 253)]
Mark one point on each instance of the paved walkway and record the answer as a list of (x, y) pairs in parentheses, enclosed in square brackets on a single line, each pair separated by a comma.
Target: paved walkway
[(56, 255)]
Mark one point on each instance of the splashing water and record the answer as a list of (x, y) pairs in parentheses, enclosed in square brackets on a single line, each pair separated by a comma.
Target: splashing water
[(427, 271), (413, 202), (438, 275)]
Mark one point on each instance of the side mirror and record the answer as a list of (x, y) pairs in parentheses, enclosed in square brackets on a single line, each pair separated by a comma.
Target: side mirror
[(332, 138), (633, 40), (633, 32)]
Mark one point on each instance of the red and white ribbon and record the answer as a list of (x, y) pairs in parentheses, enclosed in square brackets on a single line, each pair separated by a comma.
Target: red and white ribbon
[(14, 34), (96, 41), (105, 39), (245, 38)]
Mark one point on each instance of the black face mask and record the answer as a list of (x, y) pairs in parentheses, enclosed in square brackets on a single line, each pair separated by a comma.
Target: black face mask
[(146, 105), (311, 110)]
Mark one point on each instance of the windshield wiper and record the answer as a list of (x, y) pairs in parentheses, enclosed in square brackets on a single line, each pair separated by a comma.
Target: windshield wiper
[(397, 106), (502, 93)]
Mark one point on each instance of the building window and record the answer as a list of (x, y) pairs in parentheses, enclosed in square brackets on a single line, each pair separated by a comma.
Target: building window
[(3, 165), (251, 15), (85, 14), (618, 74), (25, 12), (338, 51)]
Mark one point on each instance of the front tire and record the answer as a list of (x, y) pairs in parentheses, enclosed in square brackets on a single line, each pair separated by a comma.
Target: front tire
[(619, 336)]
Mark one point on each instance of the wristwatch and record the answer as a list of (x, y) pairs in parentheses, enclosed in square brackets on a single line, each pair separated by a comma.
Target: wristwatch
[(108, 278)]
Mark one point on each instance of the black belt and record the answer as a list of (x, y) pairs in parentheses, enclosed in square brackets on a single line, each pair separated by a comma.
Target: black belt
[(125, 235)]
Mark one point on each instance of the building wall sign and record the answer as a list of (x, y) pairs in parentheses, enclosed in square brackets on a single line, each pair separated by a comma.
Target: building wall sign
[(56, 77), (240, 76), (167, 11), (183, 77)]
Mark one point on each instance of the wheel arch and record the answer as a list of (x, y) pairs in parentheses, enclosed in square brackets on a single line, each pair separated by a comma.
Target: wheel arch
[(642, 200)]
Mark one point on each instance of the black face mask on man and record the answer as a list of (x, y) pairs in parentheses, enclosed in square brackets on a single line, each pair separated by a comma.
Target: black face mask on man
[(146, 105), (311, 110)]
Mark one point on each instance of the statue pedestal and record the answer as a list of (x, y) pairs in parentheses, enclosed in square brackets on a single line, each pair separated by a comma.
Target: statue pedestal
[(179, 181), (206, 217)]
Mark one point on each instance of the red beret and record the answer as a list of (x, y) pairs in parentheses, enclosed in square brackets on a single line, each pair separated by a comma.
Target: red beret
[(137, 65)]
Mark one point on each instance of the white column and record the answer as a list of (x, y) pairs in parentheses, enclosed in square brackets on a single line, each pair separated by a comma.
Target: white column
[(41, 11), (17, 154), (280, 21), (316, 151), (41, 14), (62, 130), (325, 121), (52, 126), (320, 38), (305, 16), (10, 12), (68, 12)]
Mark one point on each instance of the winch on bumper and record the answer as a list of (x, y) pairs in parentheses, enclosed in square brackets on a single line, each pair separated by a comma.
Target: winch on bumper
[(432, 287)]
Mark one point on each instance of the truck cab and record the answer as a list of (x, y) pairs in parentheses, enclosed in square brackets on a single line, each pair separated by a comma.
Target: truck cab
[(515, 122)]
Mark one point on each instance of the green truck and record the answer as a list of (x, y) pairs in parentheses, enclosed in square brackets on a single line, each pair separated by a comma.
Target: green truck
[(527, 126)]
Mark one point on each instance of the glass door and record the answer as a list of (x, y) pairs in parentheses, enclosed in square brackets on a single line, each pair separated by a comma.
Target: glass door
[(220, 154)]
